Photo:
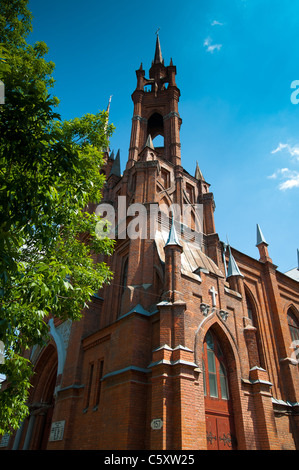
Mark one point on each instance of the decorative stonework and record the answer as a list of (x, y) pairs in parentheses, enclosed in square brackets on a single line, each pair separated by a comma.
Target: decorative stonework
[(208, 310)]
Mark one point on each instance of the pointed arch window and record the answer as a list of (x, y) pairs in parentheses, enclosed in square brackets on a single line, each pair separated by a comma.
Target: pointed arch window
[(249, 310), (214, 369), (155, 125), (253, 320), (293, 325)]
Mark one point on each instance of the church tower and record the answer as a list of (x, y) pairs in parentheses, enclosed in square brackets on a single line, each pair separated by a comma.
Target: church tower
[(156, 110)]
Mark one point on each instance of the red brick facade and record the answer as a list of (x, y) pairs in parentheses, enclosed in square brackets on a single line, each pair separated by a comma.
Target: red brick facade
[(137, 371)]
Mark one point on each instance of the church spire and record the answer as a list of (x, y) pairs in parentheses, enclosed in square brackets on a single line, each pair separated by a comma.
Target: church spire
[(115, 170), (158, 53), (108, 107), (198, 173)]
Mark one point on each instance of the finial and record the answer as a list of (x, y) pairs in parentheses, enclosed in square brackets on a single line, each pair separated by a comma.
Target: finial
[(173, 237), (149, 142), (259, 236), (198, 173), (115, 170), (232, 269)]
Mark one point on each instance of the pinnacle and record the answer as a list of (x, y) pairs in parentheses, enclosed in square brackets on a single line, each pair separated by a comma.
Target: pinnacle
[(198, 173), (158, 54)]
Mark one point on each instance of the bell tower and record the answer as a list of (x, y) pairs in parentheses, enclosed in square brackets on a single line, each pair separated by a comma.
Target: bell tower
[(156, 110)]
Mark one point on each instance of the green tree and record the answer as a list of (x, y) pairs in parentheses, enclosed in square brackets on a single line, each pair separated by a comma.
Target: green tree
[(49, 173)]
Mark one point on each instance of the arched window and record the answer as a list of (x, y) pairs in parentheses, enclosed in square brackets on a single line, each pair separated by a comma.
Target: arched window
[(155, 125), (214, 369), (293, 325), (251, 318), (249, 310)]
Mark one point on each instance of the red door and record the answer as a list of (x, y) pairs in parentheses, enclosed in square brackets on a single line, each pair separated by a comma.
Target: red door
[(218, 406)]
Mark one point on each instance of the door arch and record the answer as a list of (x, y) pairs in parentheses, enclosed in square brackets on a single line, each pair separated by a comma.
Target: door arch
[(218, 402), (42, 399)]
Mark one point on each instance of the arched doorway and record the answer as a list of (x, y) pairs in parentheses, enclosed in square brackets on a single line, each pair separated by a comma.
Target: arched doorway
[(218, 403), (46, 415), (42, 400)]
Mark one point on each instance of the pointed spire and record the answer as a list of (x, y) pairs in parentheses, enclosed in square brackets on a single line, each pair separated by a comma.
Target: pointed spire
[(115, 170), (107, 120), (297, 259), (149, 142), (158, 54), (259, 236), (198, 173), (232, 269), (173, 237), (108, 107)]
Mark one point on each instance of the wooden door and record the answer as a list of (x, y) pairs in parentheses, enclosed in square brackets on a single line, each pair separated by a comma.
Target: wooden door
[(218, 406)]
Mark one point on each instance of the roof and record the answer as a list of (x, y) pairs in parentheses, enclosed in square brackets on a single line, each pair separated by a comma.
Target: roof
[(193, 259), (293, 273)]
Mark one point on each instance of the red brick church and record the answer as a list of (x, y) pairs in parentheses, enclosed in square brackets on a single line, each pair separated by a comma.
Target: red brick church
[(193, 345)]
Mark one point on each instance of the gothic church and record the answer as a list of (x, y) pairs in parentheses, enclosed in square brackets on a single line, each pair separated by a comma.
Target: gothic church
[(190, 347)]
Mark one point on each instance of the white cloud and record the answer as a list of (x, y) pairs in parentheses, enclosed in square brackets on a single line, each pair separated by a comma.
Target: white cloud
[(216, 23), (280, 172), (293, 151), (291, 178), (211, 47), (290, 183)]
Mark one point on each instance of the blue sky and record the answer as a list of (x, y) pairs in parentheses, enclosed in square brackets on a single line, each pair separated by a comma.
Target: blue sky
[(235, 59)]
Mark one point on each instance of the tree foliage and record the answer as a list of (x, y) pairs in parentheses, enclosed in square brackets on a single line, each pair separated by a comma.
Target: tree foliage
[(49, 172)]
